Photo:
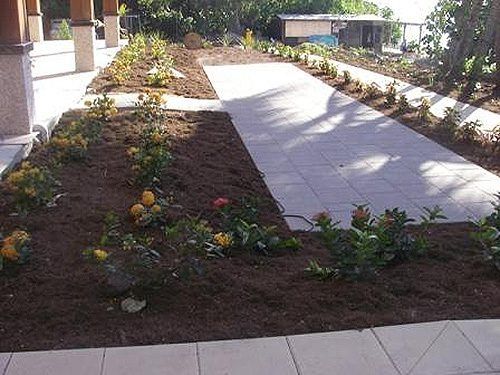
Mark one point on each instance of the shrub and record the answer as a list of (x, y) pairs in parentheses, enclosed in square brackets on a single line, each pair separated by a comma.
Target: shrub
[(32, 186), (121, 68), (151, 156), (328, 67), (158, 47), (101, 108), (162, 73), (150, 210), (424, 113), (248, 40), (371, 242), (488, 234), (359, 86), (403, 105), (69, 147), (242, 231), (149, 107), (468, 132), (15, 248), (347, 77), (451, 121), (390, 94), (64, 32), (372, 91)]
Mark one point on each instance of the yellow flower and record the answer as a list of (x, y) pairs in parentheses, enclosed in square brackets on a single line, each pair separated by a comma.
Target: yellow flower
[(30, 192), (223, 239), (148, 198), (136, 210), (20, 236), (132, 151), (100, 255), (156, 209), (88, 103), (9, 253)]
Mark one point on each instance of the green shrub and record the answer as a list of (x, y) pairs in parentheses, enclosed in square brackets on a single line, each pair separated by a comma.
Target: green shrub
[(451, 121), (424, 113), (488, 234), (390, 94), (469, 131), (370, 243)]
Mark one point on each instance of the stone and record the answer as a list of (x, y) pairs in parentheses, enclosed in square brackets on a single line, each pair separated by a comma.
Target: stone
[(112, 30), (84, 39), (35, 26), (193, 41), (132, 305)]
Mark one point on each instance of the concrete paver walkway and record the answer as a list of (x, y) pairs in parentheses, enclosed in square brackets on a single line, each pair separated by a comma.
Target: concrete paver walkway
[(322, 150), (415, 95), (436, 348)]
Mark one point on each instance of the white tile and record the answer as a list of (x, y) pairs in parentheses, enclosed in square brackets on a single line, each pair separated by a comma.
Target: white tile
[(451, 353), (340, 353), (246, 357)]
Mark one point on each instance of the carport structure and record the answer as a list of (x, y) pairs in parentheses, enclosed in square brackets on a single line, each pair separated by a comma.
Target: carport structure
[(20, 26)]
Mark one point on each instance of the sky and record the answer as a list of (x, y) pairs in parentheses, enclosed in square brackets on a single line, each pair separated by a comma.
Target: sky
[(409, 10)]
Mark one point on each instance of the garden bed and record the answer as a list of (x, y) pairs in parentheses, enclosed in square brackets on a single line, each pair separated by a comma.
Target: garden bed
[(420, 75), (58, 299), (188, 62)]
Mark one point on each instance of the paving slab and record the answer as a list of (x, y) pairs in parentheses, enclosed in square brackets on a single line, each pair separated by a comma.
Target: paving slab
[(451, 353), (246, 357), (74, 362), (177, 359), (406, 344), (485, 336), (340, 353), (345, 151)]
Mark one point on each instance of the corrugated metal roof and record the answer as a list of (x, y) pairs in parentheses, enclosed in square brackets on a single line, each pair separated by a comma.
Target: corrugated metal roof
[(331, 17)]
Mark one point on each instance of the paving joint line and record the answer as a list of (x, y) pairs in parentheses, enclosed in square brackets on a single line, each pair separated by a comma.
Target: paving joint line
[(292, 354), (102, 361), (4, 372), (198, 362), (385, 350), (429, 347), (474, 346)]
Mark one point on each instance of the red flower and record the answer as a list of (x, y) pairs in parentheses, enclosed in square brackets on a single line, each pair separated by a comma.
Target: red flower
[(220, 203)]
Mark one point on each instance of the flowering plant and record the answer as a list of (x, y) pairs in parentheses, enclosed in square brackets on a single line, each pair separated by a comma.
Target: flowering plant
[(15, 248), (149, 210), (32, 186)]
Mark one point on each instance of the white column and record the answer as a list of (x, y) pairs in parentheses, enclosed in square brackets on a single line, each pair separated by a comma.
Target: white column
[(35, 25), (84, 39), (112, 31), (16, 90)]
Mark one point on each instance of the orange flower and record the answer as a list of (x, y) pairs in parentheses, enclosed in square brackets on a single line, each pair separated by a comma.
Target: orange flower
[(10, 253), (136, 210)]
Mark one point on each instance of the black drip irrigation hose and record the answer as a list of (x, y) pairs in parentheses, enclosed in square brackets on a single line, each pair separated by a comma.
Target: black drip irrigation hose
[(282, 211)]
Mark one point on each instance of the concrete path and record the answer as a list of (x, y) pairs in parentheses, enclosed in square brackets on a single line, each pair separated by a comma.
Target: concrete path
[(415, 95), (172, 102), (57, 88), (322, 150), (437, 348)]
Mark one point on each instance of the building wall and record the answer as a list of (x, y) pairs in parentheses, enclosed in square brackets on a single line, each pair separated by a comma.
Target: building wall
[(303, 29)]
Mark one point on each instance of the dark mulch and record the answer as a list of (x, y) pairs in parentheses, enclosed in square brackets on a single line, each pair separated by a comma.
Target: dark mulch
[(56, 301), (189, 62)]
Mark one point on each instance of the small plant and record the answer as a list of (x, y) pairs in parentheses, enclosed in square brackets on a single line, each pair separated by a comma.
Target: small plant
[(403, 105), (390, 94), (15, 248), (101, 108), (347, 77), (359, 86), (121, 68), (149, 107), (494, 138), (150, 209), (371, 242), (158, 48), (328, 67), (69, 147), (161, 73), (241, 230), (248, 39), (372, 91), (488, 234), (451, 121), (469, 131), (32, 186), (424, 111), (151, 157)]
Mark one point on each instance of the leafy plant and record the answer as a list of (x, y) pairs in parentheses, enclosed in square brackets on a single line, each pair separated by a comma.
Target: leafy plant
[(32, 186), (370, 243), (328, 67), (424, 113), (162, 73), (150, 210), (64, 31), (347, 77), (451, 121), (469, 131), (248, 40), (372, 91), (149, 107), (390, 94), (488, 234), (15, 248), (403, 105)]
